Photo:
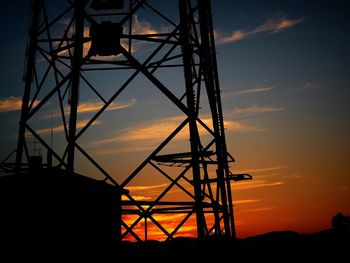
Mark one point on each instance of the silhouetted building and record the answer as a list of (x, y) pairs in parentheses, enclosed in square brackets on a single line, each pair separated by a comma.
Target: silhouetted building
[(54, 209)]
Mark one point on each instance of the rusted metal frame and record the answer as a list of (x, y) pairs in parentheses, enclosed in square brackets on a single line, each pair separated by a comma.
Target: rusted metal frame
[(37, 136)]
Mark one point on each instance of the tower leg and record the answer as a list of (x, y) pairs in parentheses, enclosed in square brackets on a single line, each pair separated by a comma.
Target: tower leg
[(194, 135), (208, 61), (28, 78), (74, 95)]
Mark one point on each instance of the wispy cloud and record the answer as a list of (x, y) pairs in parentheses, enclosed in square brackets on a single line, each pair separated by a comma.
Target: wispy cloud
[(246, 201), (145, 188), (94, 106), (60, 128), (125, 149), (137, 198), (12, 104), (253, 110), (240, 127), (261, 209), (247, 91), (257, 183), (142, 26), (271, 26), (155, 130), (159, 129), (260, 170), (91, 106)]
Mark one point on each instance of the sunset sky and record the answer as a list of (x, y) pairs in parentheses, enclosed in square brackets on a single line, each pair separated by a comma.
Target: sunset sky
[(284, 69)]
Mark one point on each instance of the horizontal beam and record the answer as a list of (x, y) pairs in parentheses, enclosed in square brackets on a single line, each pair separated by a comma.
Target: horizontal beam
[(130, 203)]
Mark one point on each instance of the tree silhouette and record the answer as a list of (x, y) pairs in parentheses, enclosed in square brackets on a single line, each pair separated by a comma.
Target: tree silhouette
[(341, 222)]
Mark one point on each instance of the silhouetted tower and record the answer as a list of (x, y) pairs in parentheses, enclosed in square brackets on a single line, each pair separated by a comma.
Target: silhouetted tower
[(69, 41)]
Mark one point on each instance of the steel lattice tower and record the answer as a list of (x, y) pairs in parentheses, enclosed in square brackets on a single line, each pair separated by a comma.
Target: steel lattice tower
[(57, 62)]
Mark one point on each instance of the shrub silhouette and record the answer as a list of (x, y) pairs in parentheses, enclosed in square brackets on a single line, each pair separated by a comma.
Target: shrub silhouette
[(341, 222)]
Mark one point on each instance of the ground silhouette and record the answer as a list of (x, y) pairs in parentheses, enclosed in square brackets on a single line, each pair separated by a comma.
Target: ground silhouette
[(38, 222)]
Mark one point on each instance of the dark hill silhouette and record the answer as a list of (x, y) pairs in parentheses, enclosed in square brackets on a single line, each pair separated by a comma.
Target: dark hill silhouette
[(52, 215)]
